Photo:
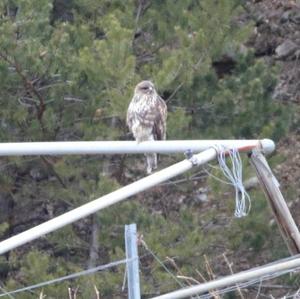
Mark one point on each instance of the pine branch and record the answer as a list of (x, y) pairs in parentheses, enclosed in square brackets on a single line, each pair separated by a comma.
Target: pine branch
[(51, 167), (29, 86)]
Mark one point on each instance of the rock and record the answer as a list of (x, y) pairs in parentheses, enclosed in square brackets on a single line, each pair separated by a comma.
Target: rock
[(285, 16), (281, 91), (297, 54), (296, 18), (286, 49), (251, 183), (200, 195), (38, 174)]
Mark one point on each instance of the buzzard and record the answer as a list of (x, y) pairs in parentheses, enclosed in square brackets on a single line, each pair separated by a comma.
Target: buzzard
[(146, 118)]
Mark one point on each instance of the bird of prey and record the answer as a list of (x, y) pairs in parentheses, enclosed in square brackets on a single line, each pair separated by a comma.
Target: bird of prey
[(146, 118)]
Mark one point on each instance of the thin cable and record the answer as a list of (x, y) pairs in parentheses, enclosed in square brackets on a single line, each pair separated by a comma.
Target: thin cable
[(124, 279), (215, 177), (259, 288), (71, 276), (4, 291), (162, 264), (293, 296)]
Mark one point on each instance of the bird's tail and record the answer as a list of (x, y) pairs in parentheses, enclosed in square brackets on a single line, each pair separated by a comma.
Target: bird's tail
[(151, 162)]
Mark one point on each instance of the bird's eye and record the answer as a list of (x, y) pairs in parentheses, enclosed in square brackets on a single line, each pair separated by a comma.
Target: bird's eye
[(144, 87)]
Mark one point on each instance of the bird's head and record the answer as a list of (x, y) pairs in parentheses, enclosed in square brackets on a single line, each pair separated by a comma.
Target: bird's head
[(145, 87)]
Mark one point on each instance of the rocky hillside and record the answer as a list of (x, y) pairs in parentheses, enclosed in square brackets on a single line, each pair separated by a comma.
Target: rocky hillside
[(277, 39)]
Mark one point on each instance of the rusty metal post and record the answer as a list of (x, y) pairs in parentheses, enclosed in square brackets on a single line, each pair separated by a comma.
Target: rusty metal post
[(281, 212)]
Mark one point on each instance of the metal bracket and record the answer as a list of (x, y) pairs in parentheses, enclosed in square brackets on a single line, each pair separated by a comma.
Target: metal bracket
[(191, 157)]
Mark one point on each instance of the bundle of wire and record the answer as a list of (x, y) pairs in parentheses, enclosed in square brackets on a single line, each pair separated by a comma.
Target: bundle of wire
[(234, 173)]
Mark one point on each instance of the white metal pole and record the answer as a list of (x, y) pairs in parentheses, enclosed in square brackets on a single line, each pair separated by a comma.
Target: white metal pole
[(106, 200), (126, 147), (232, 279), (132, 265)]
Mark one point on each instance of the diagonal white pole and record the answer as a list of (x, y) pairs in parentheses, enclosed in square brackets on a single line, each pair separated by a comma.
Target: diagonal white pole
[(106, 200), (125, 147), (244, 276)]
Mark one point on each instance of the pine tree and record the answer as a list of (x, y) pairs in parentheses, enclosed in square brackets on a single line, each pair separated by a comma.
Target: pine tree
[(67, 72)]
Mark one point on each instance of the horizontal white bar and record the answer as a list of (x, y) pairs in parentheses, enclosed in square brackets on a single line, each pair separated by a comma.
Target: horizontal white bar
[(126, 147), (106, 200), (232, 279)]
